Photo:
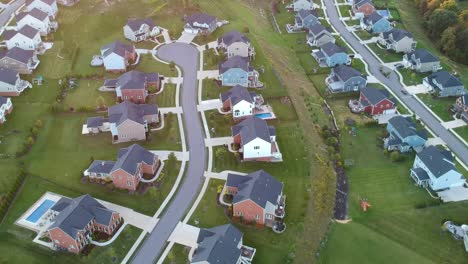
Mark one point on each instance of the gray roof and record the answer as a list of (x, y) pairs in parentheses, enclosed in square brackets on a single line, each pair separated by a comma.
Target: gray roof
[(3, 100), (445, 79), (331, 48), (234, 62), (305, 13), (128, 110), (423, 55), (95, 121), (135, 24), (345, 72), (201, 18), (8, 76), (236, 94), (26, 30), (135, 79), (406, 127), (75, 214), (252, 128), (363, 2), (421, 174), (48, 2), (101, 166), (373, 17), (118, 48), (130, 157), (218, 245), (397, 34), (36, 13), (259, 186), (374, 95), (317, 28), (18, 54), (437, 161), (232, 37)]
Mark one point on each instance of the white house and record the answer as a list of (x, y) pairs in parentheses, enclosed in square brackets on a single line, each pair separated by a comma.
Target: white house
[(27, 38), (116, 56), (436, 169), (137, 30), (200, 23), (36, 19), (48, 6), (6, 106), (240, 101), (298, 5), (10, 83)]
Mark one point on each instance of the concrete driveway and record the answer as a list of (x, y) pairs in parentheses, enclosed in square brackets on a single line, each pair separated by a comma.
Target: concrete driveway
[(185, 56)]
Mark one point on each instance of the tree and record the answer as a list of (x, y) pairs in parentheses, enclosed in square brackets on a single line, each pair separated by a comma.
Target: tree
[(449, 5), (448, 40), (34, 131), (38, 123), (219, 189), (172, 65), (441, 19), (29, 141), (395, 156)]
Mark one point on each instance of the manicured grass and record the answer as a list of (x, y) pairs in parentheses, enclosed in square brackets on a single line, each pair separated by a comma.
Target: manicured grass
[(359, 65), (177, 255), (165, 99), (353, 22), (211, 60), (411, 77), (211, 90), (218, 124), (345, 10), (385, 55), (363, 34), (148, 64), (440, 106), (88, 89), (463, 132)]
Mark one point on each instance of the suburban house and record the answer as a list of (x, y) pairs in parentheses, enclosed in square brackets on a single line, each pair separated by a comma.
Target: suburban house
[(47, 6), (375, 23), (36, 19), (127, 171), (319, 35), (435, 168), (11, 84), (27, 38), (461, 107), (398, 40), (403, 135), (256, 140), (377, 102), (235, 43), (257, 197), (75, 220), (240, 101), (444, 83), (127, 121), (133, 85), (200, 23), (331, 55), (137, 30), (6, 106), (20, 60), (221, 244), (298, 5), (68, 2), (116, 56), (421, 60), (305, 19), (237, 71), (343, 78), (362, 8)]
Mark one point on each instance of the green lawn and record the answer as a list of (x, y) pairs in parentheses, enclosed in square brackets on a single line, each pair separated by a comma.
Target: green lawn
[(88, 88), (345, 10), (218, 124), (211, 60), (463, 132), (211, 90), (411, 77), (363, 34), (359, 65), (165, 99), (353, 22), (385, 55), (440, 106), (177, 255), (148, 64)]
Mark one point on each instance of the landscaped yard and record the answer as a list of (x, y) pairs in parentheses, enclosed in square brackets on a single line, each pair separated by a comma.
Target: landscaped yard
[(440, 106), (218, 124), (411, 77), (463, 132), (211, 90), (345, 10), (363, 34), (165, 99), (385, 55)]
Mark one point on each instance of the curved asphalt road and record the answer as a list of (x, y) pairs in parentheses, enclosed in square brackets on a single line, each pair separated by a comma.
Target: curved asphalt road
[(9, 10), (393, 82), (186, 56)]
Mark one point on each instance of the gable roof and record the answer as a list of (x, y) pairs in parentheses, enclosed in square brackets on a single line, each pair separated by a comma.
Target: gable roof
[(3, 100), (18, 54), (101, 166), (237, 94), (317, 28), (95, 121), (374, 96), (373, 18), (252, 128), (8, 76), (36, 13), (437, 161), (232, 37), (218, 245), (445, 78), (406, 127), (363, 2), (397, 34), (234, 62), (116, 47), (26, 31), (128, 110), (305, 13), (345, 72), (135, 79), (423, 55), (135, 24), (48, 2), (130, 157), (331, 48), (201, 18), (75, 214), (259, 186)]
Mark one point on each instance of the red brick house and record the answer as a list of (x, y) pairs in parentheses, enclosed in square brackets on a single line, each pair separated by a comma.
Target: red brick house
[(76, 219), (257, 197), (133, 86), (377, 102), (127, 171), (362, 8)]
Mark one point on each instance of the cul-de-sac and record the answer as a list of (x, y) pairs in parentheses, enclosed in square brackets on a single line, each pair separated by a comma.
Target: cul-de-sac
[(241, 131)]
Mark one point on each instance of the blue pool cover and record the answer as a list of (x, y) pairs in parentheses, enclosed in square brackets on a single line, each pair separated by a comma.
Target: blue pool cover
[(40, 211)]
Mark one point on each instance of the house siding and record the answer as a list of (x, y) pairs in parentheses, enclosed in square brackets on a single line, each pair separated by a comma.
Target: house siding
[(250, 211), (337, 59), (235, 76), (354, 84), (264, 150), (124, 180), (238, 49), (130, 131), (134, 95)]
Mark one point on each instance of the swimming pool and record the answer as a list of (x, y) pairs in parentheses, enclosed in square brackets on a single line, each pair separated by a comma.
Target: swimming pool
[(264, 115), (40, 211)]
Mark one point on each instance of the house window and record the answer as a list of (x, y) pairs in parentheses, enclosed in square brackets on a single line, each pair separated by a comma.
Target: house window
[(268, 216), (257, 147), (257, 217), (129, 183), (239, 213)]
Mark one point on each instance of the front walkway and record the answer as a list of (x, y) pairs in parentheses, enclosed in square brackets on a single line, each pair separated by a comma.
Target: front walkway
[(454, 123), (114, 237), (185, 234), (211, 45)]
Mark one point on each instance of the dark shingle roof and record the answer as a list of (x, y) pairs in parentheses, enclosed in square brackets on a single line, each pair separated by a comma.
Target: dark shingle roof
[(437, 161), (345, 72), (237, 94), (423, 55), (363, 2), (331, 48), (305, 13), (128, 110), (118, 48), (200, 18), (259, 186), (76, 213), (18, 54), (130, 157), (252, 128), (421, 174), (8, 76), (373, 18), (3, 100), (316, 28), (233, 36), (375, 95), (135, 24), (445, 79), (48, 2), (36, 13), (397, 34), (135, 79), (101, 166), (26, 30), (234, 62), (405, 127), (218, 245)]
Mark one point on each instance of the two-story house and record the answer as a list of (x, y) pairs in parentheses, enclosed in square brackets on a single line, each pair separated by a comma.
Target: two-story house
[(435, 168), (375, 23), (319, 35), (27, 38), (20, 60), (398, 40), (403, 135), (377, 102), (237, 71), (200, 23), (256, 140), (47, 6), (37, 19), (240, 102), (235, 43), (444, 84), (257, 197), (137, 30), (305, 19), (75, 221), (421, 60), (343, 78), (133, 85), (362, 8), (461, 107), (11, 84), (6, 106), (117, 56), (298, 5), (331, 55)]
